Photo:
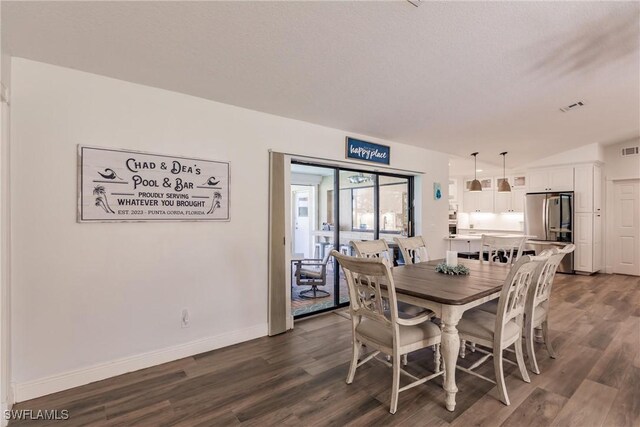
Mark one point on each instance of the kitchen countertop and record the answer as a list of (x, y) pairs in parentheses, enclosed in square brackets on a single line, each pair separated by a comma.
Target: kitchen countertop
[(469, 237)]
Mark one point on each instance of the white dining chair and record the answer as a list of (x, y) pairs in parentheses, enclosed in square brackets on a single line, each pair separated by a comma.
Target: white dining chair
[(537, 305), (499, 249), (503, 249), (413, 249), (372, 249), (492, 306), (504, 329), (380, 249), (383, 332)]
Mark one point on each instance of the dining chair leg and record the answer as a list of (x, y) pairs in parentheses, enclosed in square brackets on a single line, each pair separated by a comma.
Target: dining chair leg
[(354, 360), (531, 353), (395, 386), (405, 360), (547, 340), (497, 366), (436, 358), (463, 347), (520, 359)]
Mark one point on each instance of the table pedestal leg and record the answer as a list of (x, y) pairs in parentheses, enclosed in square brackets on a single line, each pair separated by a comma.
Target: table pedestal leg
[(450, 347)]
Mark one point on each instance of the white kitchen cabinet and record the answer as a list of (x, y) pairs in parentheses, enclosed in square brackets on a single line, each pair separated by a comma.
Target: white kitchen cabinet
[(503, 202), (588, 218), (538, 180), (518, 181), (481, 201), (584, 227), (487, 183), (597, 189), (598, 255), (583, 259), (588, 188), (512, 201), (517, 199), (588, 241), (583, 175), (550, 179)]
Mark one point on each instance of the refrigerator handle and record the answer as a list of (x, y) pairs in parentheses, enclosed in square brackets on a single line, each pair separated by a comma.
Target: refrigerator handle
[(545, 217)]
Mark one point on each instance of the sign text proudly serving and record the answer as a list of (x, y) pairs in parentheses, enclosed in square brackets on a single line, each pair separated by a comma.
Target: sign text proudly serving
[(119, 185), (368, 151)]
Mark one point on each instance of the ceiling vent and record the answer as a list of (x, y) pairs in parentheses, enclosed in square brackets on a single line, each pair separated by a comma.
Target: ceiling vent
[(572, 107), (630, 151)]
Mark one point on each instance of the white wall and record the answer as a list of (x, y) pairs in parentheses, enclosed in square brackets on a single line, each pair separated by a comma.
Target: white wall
[(586, 153), (91, 300), (619, 167)]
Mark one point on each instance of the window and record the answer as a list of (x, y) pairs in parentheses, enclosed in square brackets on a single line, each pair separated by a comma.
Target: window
[(362, 209)]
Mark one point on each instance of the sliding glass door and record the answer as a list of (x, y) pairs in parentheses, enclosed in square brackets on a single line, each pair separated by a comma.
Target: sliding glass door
[(394, 207), (330, 208)]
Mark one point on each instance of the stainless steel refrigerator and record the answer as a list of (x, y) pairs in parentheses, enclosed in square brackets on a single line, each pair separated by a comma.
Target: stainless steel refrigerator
[(549, 217)]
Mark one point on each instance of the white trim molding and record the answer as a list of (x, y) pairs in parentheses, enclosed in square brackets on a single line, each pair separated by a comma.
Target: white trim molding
[(66, 380)]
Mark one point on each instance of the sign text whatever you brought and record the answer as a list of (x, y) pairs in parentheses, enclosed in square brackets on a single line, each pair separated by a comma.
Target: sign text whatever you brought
[(120, 185)]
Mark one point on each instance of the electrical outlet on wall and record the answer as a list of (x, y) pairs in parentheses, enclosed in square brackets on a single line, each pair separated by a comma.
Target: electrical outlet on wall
[(185, 318)]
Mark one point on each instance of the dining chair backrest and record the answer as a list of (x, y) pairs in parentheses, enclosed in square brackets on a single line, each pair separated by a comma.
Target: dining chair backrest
[(509, 247), (542, 290), (514, 291), (371, 249), (364, 277), (413, 249)]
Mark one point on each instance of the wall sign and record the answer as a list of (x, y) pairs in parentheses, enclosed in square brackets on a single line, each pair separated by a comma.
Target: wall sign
[(368, 151), (120, 185)]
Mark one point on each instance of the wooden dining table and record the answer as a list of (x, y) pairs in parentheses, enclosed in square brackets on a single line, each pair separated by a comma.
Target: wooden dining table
[(449, 296)]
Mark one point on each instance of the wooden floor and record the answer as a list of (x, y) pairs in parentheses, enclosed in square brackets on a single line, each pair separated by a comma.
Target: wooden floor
[(298, 378)]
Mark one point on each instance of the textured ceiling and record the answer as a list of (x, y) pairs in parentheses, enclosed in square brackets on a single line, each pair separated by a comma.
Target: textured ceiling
[(451, 76)]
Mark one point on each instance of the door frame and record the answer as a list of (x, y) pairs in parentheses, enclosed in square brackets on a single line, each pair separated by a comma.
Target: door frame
[(336, 202), (609, 226), (609, 234), (311, 212)]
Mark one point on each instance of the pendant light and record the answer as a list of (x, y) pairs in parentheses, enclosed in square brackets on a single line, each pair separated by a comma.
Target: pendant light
[(504, 186), (475, 184)]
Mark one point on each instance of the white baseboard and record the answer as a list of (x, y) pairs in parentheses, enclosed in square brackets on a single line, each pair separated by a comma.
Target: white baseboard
[(52, 384)]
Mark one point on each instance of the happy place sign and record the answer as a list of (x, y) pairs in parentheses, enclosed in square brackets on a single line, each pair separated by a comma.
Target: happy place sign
[(121, 185), (368, 151)]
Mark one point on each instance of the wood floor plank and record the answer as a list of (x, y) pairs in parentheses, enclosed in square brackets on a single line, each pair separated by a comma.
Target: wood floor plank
[(602, 334), (565, 376), (612, 367), (298, 378), (625, 411), (154, 414), (538, 410), (588, 407)]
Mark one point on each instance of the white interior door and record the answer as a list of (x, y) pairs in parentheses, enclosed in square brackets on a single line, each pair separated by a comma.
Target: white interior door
[(302, 222), (626, 227)]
